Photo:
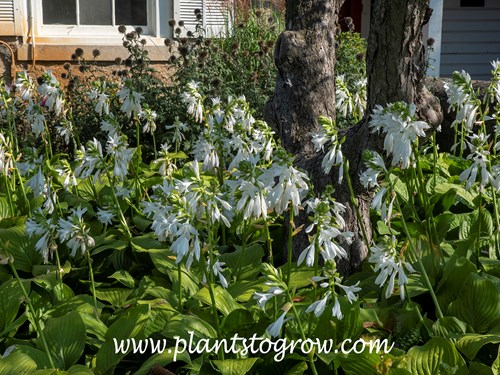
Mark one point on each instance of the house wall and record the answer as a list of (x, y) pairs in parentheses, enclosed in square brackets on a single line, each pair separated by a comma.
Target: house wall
[(470, 38)]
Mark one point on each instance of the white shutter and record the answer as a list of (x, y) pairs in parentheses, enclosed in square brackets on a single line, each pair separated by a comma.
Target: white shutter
[(9, 18), (186, 13), (215, 15)]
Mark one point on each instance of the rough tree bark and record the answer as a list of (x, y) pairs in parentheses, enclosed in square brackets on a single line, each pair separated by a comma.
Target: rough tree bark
[(305, 89)]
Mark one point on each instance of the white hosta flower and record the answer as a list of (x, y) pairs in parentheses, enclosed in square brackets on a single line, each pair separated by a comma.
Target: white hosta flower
[(131, 101), (75, 233), (318, 307), (52, 95), (65, 130), (329, 223), (289, 189), (391, 266), (165, 161), (178, 132), (24, 84), (36, 118), (6, 162), (42, 226), (110, 125), (101, 98), (456, 95), (379, 203), (397, 122), (149, 118), (192, 98), (106, 217), (217, 270), (37, 183), (336, 311), (376, 165), (206, 151), (91, 160), (274, 329), (467, 116), (471, 173), (262, 298), (349, 290), (343, 97), (122, 155), (478, 145)]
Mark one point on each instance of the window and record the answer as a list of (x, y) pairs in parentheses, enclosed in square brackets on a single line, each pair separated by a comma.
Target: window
[(472, 3), (94, 12)]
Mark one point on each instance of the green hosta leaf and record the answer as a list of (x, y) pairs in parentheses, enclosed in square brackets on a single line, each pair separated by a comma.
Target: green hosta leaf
[(5, 211), (300, 276), (79, 370), (242, 291), (124, 278), (478, 303), (109, 245), (298, 369), (115, 296), (11, 297), (480, 369), (491, 266), (224, 302), (245, 264), (130, 325), (456, 271), (87, 186), (448, 325), (40, 357), (17, 243), (235, 366), (42, 269), (356, 364), (165, 263), (147, 244), (66, 337), (428, 359), (496, 365), (162, 359), (17, 364), (189, 327), (244, 323), (471, 344), (462, 195)]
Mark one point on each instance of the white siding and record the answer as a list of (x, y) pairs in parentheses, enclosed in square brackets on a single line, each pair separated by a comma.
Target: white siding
[(470, 38)]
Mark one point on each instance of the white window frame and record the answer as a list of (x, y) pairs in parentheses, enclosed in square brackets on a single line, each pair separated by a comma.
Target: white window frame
[(90, 33)]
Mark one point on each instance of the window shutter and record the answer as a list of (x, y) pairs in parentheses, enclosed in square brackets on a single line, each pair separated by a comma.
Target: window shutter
[(9, 18), (215, 14), (186, 13)]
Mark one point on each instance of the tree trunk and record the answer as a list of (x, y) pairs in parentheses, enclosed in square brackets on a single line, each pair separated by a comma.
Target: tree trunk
[(305, 86), (305, 57)]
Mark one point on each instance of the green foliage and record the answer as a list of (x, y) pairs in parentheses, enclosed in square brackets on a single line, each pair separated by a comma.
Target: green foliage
[(240, 62)]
